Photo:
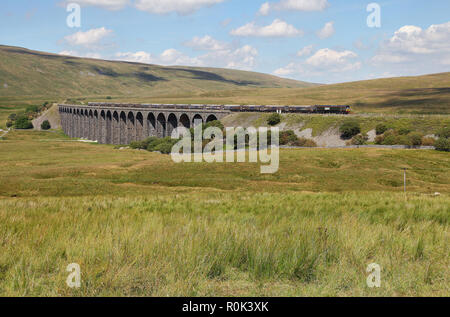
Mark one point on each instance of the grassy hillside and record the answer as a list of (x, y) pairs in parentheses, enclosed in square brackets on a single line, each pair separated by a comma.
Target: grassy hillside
[(27, 73), (429, 94), (140, 225)]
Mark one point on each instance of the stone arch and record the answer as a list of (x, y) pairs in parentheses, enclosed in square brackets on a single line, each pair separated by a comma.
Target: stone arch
[(123, 129), (151, 124), (172, 124), (139, 126), (131, 128), (115, 128), (210, 118), (184, 121), (161, 126), (197, 117)]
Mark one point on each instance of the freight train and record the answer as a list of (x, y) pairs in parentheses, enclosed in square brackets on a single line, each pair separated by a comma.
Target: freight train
[(321, 109)]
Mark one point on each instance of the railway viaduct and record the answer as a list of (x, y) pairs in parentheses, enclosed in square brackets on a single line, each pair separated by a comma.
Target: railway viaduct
[(123, 123)]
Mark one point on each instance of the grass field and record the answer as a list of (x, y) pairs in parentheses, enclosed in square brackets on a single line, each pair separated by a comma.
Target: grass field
[(140, 225)]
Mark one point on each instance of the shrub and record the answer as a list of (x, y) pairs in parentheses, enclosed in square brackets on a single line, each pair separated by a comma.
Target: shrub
[(45, 125), (22, 122), (274, 119), (360, 139), (444, 132), (108, 97), (288, 137), (381, 128), (349, 129), (12, 117), (415, 139), (9, 124), (427, 141), (390, 137), (443, 144), (215, 123)]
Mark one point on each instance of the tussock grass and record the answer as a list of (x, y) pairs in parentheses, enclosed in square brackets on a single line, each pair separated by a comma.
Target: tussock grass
[(226, 244)]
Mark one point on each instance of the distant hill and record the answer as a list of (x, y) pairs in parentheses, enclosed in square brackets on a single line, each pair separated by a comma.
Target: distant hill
[(25, 72)]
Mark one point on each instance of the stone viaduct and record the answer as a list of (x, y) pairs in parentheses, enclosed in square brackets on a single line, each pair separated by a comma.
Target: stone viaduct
[(123, 123)]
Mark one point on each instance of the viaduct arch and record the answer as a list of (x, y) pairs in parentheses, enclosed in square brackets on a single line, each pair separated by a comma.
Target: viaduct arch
[(124, 123)]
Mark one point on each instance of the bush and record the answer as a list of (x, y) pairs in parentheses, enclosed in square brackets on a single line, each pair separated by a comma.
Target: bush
[(415, 139), (444, 132), (426, 141), (22, 122), (45, 125), (349, 129), (288, 137), (381, 128), (360, 139), (274, 119), (32, 109), (161, 145), (443, 144), (12, 117), (9, 124)]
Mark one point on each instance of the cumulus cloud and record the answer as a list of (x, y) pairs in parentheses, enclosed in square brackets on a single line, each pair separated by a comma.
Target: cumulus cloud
[(334, 61), (325, 62), (89, 38), (296, 5), (206, 43), (106, 4), (278, 28), (217, 54), (182, 7), (416, 50), (327, 31), (307, 50)]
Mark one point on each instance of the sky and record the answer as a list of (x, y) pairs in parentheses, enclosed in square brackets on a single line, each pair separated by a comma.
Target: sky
[(321, 41)]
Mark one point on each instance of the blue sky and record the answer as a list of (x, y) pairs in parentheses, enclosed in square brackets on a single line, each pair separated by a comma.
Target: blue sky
[(324, 41)]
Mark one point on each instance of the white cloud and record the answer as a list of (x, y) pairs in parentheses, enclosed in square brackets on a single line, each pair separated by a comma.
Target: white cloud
[(287, 70), (296, 5), (265, 9), (78, 54), (106, 4), (89, 38), (325, 63), (206, 43), (182, 7), (218, 54), (307, 50), (413, 50), (327, 31), (334, 61), (138, 57), (278, 28)]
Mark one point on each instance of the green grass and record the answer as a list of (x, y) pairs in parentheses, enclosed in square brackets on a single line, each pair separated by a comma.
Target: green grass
[(140, 225)]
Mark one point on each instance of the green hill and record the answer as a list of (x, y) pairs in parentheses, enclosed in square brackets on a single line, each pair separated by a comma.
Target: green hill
[(30, 73)]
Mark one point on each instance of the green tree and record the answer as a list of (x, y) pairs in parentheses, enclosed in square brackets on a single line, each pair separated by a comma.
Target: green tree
[(45, 125), (381, 128)]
